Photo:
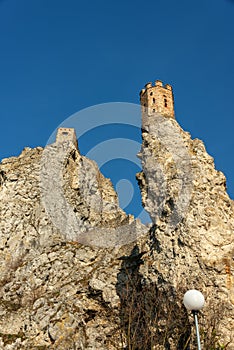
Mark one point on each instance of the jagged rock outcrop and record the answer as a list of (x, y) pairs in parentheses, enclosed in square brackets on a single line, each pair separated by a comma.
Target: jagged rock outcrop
[(55, 292), (78, 273), (193, 231)]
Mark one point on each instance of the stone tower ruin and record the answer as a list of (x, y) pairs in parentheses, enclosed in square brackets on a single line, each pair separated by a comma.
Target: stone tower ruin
[(156, 100), (66, 134)]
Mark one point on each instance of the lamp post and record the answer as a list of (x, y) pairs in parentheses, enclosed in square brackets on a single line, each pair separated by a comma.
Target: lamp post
[(194, 301)]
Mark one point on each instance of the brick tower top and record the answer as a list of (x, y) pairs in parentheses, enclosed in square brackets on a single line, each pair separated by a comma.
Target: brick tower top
[(157, 100)]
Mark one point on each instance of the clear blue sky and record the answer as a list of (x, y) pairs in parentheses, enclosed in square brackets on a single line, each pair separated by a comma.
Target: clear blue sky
[(58, 57)]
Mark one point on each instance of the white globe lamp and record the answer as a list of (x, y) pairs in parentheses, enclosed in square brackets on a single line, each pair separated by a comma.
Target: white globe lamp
[(194, 301)]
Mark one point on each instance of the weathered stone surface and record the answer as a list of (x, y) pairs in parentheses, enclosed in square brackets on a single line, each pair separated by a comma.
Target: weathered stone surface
[(194, 248), (55, 292), (77, 273)]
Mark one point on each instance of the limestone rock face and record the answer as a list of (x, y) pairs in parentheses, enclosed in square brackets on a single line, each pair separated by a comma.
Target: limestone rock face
[(55, 292), (77, 273), (193, 231)]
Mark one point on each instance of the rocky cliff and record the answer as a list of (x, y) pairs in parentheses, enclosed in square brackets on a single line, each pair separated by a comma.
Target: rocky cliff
[(77, 273)]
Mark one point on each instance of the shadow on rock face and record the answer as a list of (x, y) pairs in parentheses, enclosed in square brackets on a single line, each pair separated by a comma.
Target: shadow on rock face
[(150, 314)]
